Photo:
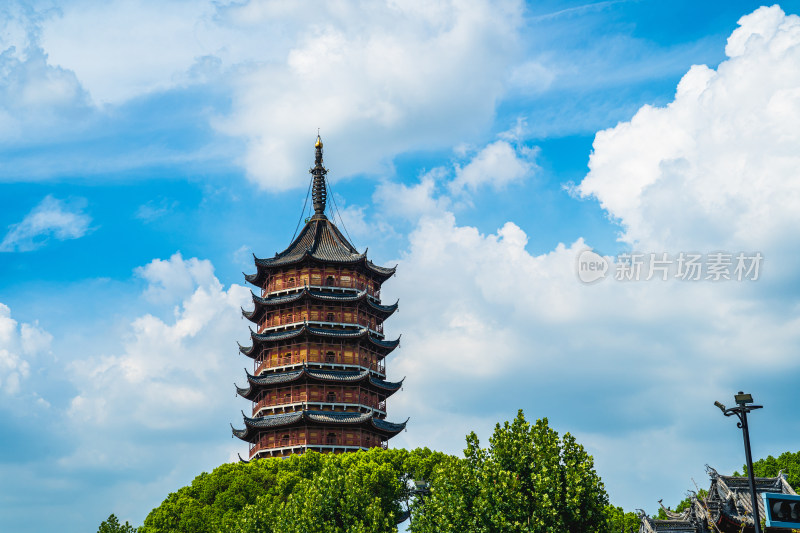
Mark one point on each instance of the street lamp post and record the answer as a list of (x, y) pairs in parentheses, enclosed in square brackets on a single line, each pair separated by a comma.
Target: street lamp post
[(744, 406)]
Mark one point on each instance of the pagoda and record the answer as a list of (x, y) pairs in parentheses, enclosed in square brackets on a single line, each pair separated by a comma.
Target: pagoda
[(318, 348)]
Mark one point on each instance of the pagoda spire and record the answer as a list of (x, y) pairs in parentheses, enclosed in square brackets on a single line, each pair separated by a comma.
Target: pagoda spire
[(319, 192)]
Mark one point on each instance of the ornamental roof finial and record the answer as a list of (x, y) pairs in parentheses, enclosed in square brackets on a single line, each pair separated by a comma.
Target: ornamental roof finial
[(319, 192)]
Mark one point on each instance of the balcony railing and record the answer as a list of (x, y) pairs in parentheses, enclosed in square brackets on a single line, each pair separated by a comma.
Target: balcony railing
[(275, 288), (265, 446), (285, 363), (322, 318), (301, 400)]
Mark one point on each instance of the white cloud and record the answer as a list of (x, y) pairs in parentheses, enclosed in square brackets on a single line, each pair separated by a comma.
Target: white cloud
[(127, 48), (379, 78), (36, 98), (717, 167), (412, 201), (19, 344), (488, 328), (531, 77), (631, 367), (174, 279), (52, 218), (398, 76), (497, 165), (168, 376), (155, 209)]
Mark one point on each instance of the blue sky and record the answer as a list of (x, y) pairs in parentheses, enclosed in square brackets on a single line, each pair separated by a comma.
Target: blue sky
[(147, 150)]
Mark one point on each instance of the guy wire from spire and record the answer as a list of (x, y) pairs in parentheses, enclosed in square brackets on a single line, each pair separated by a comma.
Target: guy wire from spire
[(303, 212), (333, 197)]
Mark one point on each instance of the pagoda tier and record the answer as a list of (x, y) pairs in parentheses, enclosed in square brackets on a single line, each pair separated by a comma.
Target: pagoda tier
[(309, 332), (314, 257), (307, 388), (319, 349), (322, 431), (337, 309)]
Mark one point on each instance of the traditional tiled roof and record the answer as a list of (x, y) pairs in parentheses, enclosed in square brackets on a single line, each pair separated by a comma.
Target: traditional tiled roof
[(356, 333), (650, 525), (322, 241), (256, 383), (261, 304), (728, 506), (322, 418)]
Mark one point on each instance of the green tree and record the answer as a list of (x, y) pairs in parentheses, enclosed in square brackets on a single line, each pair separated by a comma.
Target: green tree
[(355, 492), (617, 520), (528, 480), (112, 525), (787, 462)]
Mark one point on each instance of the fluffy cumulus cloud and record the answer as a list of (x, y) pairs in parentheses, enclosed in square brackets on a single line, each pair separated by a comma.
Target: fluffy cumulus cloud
[(125, 49), (488, 328), (19, 344), (394, 77), (631, 367), (50, 219), (173, 279), (378, 78), (497, 165), (37, 97), (168, 376), (718, 167)]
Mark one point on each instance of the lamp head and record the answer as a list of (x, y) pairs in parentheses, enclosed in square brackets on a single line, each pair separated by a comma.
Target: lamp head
[(742, 398)]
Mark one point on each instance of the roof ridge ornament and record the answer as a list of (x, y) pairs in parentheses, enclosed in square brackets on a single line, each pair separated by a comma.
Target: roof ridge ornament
[(319, 192)]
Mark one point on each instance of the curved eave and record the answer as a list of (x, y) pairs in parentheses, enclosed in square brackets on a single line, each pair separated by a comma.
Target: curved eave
[(363, 377), (319, 239), (385, 310), (321, 418), (360, 333), (261, 304), (240, 433), (382, 273), (244, 392), (250, 315), (264, 266), (388, 428), (247, 350), (389, 386)]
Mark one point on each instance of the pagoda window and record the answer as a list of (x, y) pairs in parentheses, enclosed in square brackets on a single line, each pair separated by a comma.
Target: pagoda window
[(330, 357), (330, 317), (285, 440), (330, 281), (330, 438), (331, 398)]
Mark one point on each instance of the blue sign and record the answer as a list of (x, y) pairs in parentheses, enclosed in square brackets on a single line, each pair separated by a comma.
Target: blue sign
[(782, 510)]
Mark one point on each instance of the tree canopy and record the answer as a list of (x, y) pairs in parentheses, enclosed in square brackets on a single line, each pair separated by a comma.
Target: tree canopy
[(112, 525), (787, 462), (330, 493), (528, 480)]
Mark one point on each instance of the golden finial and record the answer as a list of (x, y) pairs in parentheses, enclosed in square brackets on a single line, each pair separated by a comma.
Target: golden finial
[(319, 140)]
